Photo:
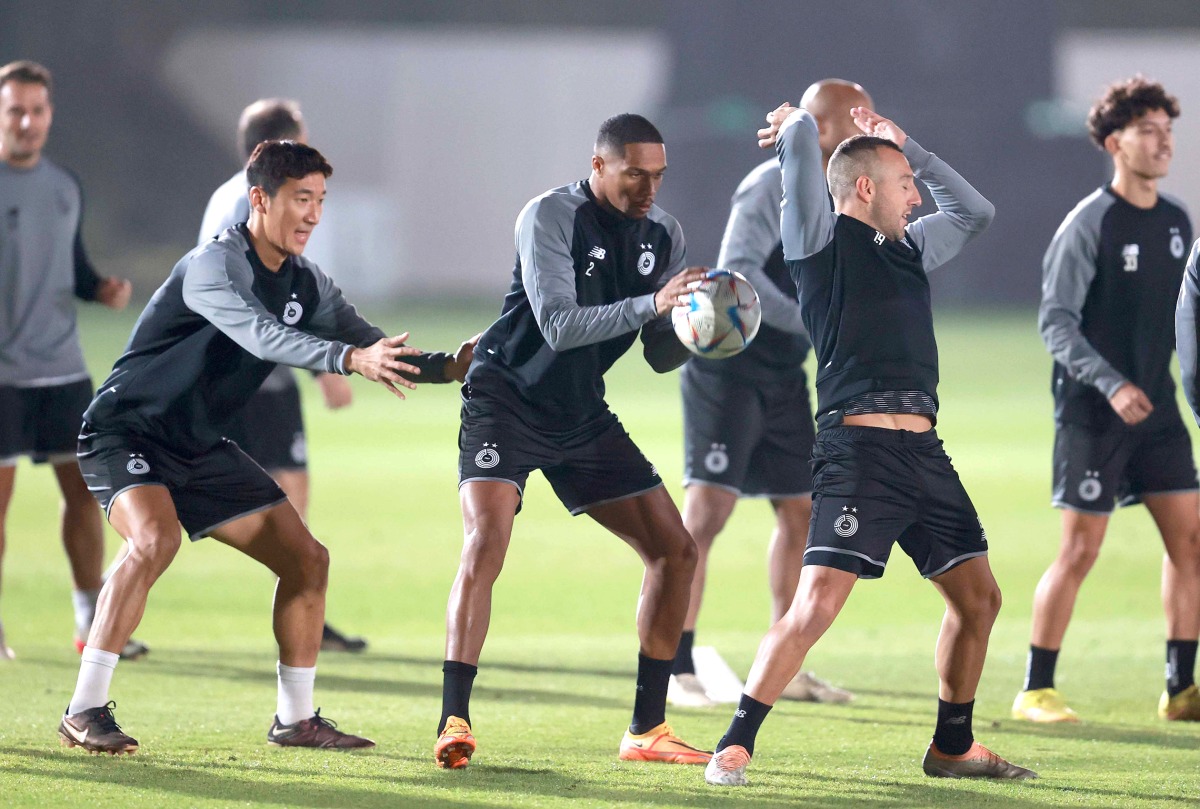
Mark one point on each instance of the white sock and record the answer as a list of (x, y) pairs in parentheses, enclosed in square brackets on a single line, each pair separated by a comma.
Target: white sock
[(95, 674), (295, 694), (85, 611)]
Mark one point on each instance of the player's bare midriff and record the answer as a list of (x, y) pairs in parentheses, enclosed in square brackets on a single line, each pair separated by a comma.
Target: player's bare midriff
[(891, 421)]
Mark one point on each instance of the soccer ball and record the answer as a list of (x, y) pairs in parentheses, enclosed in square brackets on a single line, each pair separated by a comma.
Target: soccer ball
[(721, 316)]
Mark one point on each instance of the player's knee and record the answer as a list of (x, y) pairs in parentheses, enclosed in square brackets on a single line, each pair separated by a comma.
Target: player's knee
[(1079, 554), (152, 549), (482, 557), (312, 565)]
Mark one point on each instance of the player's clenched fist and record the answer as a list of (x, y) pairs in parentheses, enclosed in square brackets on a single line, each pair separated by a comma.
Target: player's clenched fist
[(380, 362), (775, 119)]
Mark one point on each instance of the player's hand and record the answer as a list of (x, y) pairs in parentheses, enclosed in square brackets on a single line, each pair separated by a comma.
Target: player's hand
[(114, 292), (775, 118), (456, 368), (675, 291), (872, 123), (380, 362), (336, 390), (1131, 403)]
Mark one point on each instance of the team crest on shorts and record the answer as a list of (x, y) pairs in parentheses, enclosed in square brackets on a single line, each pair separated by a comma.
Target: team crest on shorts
[(1089, 487), (292, 312), (487, 457), (137, 465), (645, 263), (717, 460), (846, 525)]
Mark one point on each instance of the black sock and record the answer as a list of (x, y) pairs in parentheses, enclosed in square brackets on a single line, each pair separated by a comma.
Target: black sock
[(747, 719), (1039, 668), (1181, 665), (683, 655), (953, 735), (457, 679), (650, 704)]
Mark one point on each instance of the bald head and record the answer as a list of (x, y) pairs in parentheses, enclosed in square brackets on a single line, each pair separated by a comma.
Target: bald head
[(830, 101)]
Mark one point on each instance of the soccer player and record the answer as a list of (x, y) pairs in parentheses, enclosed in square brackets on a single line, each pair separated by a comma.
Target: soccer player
[(271, 427), (747, 423), (152, 448), (597, 261), (44, 384), (880, 475), (1109, 283)]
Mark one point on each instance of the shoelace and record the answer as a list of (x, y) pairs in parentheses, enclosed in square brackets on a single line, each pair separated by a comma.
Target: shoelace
[(322, 721), (106, 720)]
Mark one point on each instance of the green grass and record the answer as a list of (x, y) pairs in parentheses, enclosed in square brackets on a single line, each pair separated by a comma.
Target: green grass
[(556, 681)]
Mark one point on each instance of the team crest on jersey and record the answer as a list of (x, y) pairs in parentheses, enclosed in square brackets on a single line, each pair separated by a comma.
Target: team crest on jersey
[(487, 457), (1089, 487), (1177, 245), (137, 464), (645, 262), (1130, 253), (717, 460), (293, 311), (846, 525)]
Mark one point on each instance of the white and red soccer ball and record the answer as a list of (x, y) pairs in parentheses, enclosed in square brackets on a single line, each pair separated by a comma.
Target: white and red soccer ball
[(721, 316)]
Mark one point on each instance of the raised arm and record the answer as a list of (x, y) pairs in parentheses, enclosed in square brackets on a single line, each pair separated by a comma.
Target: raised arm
[(1187, 340), (543, 235), (1067, 272), (751, 236), (806, 223), (963, 213)]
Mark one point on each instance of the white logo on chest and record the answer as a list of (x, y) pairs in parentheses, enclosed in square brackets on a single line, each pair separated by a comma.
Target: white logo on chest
[(1130, 253), (645, 262), (293, 311), (1177, 245)]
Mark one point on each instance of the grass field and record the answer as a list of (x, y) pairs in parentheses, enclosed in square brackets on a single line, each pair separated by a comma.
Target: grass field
[(556, 681)]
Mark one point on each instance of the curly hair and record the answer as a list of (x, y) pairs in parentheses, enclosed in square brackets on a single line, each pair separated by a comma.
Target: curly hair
[(1125, 101)]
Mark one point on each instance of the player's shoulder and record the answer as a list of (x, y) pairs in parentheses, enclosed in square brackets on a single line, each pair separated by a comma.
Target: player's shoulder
[(225, 254), (660, 217), (566, 199), (1087, 217), (1173, 204), (61, 175)]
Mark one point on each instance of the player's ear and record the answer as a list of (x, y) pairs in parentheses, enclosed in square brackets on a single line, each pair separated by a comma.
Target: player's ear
[(1111, 145), (597, 164), (258, 199), (864, 186)]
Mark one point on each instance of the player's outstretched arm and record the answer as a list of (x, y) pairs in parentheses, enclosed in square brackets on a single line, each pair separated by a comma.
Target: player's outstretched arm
[(806, 223), (1187, 339), (458, 365)]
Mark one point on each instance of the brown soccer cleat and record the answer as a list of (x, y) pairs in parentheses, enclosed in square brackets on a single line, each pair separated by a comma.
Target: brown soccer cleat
[(316, 731), (455, 745), (978, 762), (96, 731)]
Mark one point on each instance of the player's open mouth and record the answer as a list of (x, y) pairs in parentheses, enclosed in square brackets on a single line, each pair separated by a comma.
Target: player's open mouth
[(302, 235)]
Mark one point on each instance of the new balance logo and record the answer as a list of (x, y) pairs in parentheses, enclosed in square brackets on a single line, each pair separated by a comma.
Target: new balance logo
[(597, 253), (740, 714)]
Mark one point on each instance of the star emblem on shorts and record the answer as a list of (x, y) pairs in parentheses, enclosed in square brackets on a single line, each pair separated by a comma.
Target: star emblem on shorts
[(853, 509), (294, 296), (493, 446)]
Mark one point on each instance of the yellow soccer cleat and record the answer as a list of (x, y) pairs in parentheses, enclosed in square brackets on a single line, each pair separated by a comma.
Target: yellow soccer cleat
[(660, 744), (1183, 707), (1042, 705), (455, 745)]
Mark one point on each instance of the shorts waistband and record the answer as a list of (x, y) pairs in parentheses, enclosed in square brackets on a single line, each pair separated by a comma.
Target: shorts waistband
[(879, 435)]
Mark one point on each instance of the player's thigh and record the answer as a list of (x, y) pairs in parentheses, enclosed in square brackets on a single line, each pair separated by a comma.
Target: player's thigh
[(1090, 467), (1162, 464), (1177, 516), (864, 498), (600, 465), (495, 446), (948, 531), (722, 424), (115, 467), (223, 486), (276, 537), (648, 522), (781, 464), (145, 517)]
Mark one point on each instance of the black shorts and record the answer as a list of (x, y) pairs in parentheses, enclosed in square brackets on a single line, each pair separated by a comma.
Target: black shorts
[(1097, 470), (270, 429), (42, 423), (594, 464), (874, 487), (209, 490), (754, 440)]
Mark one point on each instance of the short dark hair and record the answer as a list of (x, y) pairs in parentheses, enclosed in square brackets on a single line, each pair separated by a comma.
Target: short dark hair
[(26, 72), (268, 119), (1124, 101), (274, 162), (853, 158), (621, 130)]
